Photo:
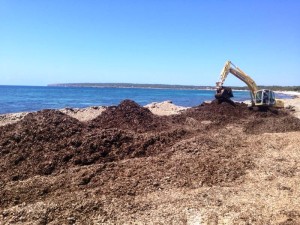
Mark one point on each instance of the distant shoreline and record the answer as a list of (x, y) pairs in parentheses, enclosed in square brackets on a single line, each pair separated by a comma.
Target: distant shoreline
[(170, 86), (132, 85)]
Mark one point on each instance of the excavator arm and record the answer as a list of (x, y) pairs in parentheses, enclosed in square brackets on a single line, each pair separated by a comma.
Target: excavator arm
[(229, 67)]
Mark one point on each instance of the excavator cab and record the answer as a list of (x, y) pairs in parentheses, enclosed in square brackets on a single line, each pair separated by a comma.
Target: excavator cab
[(264, 98)]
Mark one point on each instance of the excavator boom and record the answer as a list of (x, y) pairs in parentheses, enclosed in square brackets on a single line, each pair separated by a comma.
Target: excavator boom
[(229, 67)]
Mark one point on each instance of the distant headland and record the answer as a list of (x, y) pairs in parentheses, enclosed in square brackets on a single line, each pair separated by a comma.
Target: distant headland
[(131, 85), (168, 86)]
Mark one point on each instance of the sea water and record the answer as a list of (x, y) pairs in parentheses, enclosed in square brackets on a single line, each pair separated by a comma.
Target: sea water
[(34, 98)]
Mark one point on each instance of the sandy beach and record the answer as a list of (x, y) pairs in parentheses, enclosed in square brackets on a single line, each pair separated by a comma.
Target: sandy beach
[(165, 108), (149, 112), (158, 164), (293, 103)]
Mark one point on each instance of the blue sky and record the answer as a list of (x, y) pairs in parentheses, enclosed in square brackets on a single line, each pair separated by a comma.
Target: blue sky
[(148, 41)]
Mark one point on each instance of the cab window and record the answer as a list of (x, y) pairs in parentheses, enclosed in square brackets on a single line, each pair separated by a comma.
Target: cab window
[(258, 97)]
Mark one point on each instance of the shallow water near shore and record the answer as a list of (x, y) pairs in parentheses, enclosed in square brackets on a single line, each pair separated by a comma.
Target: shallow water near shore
[(33, 98)]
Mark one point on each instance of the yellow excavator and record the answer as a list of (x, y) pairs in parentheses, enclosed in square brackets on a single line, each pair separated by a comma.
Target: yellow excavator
[(261, 98)]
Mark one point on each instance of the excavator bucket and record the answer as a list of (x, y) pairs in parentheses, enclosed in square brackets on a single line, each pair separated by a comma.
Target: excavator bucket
[(224, 94)]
